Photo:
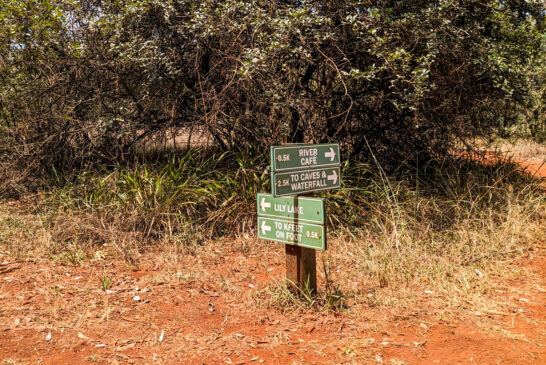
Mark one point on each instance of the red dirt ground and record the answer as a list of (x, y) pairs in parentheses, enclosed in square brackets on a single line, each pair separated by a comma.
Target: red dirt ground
[(54, 314), (533, 168)]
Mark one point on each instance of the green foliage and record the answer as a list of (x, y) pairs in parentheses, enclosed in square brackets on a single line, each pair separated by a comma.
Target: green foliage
[(188, 196), (530, 116), (85, 82), (105, 282)]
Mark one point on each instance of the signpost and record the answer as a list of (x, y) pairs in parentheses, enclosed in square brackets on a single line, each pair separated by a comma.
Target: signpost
[(292, 232), (299, 221), (297, 169), (294, 157), (305, 181), (296, 208)]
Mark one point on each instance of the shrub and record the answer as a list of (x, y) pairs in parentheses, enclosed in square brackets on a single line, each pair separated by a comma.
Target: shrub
[(85, 82)]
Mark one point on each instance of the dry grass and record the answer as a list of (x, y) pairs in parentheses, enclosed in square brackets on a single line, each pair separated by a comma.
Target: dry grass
[(526, 149), (443, 237)]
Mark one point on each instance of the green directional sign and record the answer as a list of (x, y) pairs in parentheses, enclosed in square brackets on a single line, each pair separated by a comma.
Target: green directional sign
[(304, 181), (294, 157), (292, 232), (296, 208), (297, 220)]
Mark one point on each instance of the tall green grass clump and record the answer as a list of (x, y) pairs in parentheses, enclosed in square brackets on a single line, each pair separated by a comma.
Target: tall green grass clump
[(202, 191)]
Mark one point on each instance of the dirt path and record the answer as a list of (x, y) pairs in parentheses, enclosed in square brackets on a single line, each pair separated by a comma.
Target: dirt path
[(54, 314), (534, 166)]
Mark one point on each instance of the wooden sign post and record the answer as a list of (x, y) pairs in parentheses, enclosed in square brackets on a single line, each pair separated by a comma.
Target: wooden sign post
[(299, 221), (301, 267)]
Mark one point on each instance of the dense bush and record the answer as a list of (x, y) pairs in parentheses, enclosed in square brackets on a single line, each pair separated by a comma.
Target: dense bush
[(89, 81)]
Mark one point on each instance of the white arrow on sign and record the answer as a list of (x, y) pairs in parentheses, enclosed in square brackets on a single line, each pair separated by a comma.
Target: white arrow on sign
[(333, 177), (265, 228), (330, 155), (264, 204)]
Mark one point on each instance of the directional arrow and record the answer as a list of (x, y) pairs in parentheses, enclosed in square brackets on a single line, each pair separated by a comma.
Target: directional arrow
[(292, 232), (333, 177), (265, 228), (308, 156), (330, 155), (264, 204), (302, 181)]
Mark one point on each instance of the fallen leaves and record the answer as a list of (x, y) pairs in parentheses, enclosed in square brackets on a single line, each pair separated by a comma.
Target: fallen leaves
[(81, 336)]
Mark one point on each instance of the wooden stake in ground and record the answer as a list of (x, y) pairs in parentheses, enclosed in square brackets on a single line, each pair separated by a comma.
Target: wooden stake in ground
[(301, 268), (301, 265)]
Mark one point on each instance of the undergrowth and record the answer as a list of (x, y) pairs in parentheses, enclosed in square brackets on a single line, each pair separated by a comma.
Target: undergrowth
[(194, 195), (446, 227)]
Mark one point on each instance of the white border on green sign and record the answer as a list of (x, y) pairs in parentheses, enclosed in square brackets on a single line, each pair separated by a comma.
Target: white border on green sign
[(275, 173), (274, 148), (291, 242)]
